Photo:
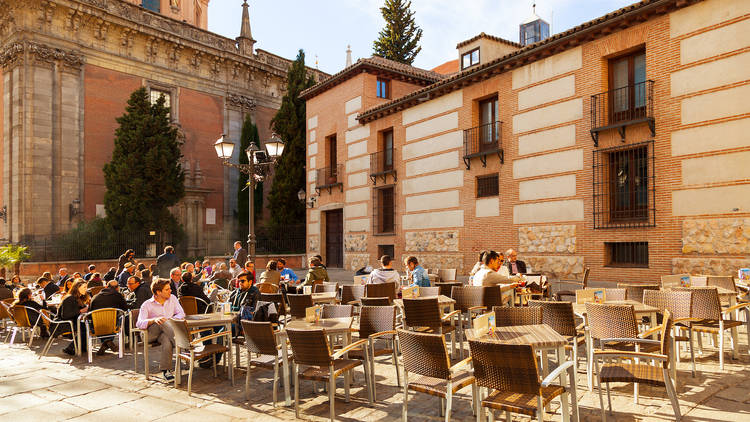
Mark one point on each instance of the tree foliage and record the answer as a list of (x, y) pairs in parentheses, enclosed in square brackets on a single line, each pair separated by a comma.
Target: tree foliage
[(289, 124), (249, 135), (399, 39), (144, 177)]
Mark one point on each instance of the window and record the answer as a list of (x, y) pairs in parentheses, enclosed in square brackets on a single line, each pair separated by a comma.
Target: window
[(152, 5), (156, 93), (386, 250), (488, 127), (470, 58), (627, 82), (383, 88), (387, 149), (488, 185), (627, 254), (624, 186), (331, 151), (384, 210)]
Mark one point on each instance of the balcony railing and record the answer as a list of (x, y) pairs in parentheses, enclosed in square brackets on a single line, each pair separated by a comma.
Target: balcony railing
[(381, 165), (482, 141), (621, 107), (328, 177)]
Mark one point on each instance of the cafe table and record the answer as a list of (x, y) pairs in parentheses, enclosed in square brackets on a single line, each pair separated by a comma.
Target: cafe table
[(331, 327), (211, 320), (541, 337), (640, 309)]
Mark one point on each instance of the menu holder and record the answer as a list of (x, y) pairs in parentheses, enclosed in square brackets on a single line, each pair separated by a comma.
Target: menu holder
[(743, 274), (410, 292), (600, 296), (591, 295), (485, 323), (685, 281), (313, 313), (360, 279)]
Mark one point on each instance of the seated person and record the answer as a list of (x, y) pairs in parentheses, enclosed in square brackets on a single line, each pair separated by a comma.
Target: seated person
[(488, 275), (286, 273), (154, 312), (234, 269), (386, 273), (514, 265), (74, 304), (48, 288), (188, 288), (246, 295), (24, 299), (316, 274), (6, 291), (271, 274), (417, 276), (222, 273), (141, 292), (89, 274), (108, 297), (94, 281)]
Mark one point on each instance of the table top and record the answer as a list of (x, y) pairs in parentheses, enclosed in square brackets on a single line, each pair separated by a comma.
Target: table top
[(207, 320), (442, 300), (640, 308), (323, 296), (722, 291), (329, 325), (622, 285), (538, 336)]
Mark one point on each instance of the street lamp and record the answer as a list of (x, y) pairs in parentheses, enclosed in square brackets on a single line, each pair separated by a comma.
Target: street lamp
[(302, 195), (257, 168)]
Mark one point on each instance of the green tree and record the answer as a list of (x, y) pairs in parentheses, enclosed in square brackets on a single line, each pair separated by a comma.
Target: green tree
[(144, 177), (249, 135), (289, 124), (399, 39)]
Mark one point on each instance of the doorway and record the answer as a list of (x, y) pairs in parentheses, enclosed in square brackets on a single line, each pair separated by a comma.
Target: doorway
[(334, 238)]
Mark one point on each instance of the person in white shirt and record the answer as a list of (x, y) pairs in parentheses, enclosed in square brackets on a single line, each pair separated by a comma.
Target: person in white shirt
[(488, 275), (386, 273)]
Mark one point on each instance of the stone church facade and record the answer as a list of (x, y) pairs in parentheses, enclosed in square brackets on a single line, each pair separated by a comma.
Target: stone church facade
[(67, 69)]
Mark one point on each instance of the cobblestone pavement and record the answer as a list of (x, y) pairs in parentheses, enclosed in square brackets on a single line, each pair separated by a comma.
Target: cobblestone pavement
[(58, 388)]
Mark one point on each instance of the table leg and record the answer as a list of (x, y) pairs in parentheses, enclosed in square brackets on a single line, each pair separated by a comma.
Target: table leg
[(230, 363), (285, 369), (560, 360), (652, 324), (589, 360)]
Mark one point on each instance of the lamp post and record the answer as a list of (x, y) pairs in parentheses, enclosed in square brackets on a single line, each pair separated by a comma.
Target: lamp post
[(259, 164)]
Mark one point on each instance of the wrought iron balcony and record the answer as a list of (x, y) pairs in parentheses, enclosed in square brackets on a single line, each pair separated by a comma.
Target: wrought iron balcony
[(482, 141), (622, 107), (328, 177), (381, 165)]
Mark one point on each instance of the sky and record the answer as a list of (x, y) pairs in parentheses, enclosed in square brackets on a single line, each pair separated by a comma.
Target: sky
[(324, 28)]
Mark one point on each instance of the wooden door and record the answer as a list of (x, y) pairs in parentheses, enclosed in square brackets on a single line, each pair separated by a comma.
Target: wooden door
[(334, 238)]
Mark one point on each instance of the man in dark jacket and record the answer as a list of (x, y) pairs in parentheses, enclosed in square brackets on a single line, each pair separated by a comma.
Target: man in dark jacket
[(166, 261), (141, 292), (89, 274), (47, 287), (63, 273), (188, 288), (109, 297), (514, 265), (240, 254), (128, 271)]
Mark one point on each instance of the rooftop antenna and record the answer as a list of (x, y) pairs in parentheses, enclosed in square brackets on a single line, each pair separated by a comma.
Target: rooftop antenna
[(316, 62), (348, 55)]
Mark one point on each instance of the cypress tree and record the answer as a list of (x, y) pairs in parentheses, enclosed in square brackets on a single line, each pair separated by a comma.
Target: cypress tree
[(399, 39), (289, 124), (249, 134), (144, 177)]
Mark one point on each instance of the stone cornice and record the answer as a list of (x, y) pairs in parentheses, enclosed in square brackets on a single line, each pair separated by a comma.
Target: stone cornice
[(237, 100), (41, 52)]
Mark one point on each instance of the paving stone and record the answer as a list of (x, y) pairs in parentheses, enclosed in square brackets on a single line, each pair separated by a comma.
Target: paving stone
[(72, 389), (196, 415), (30, 383), (156, 407), (20, 401), (103, 398)]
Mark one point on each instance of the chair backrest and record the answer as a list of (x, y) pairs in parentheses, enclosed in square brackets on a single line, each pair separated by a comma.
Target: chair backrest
[(723, 281), (133, 318), (705, 303), (591, 295), (189, 305), (20, 316), (492, 296), (505, 367), (467, 297), (424, 354), (666, 336), (447, 288), (181, 333), (422, 312), (326, 288), (611, 321), (429, 291), (677, 302), (447, 274), (360, 279), (104, 321), (505, 316), (375, 301), (259, 337), (381, 290), (298, 304), (558, 315), (310, 347), (222, 282), (374, 319), (277, 299), (337, 311), (585, 280), (93, 291), (352, 292), (672, 280), (635, 292), (698, 281), (616, 294), (268, 288)]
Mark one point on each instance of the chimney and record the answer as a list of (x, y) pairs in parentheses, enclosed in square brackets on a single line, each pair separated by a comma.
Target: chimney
[(245, 40), (348, 55)]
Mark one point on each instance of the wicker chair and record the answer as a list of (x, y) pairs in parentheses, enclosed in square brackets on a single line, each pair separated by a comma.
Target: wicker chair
[(447, 287), (190, 305), (426, 356), (679, 304), (470, 302), (260, 339), (337, 311), (424, 314), (560, 316), (672, 280), (616, 294), (615, 370), (724, 282), (447, 275), (311, 348), (635, 292), (105, 322), (298, 305), (268, 288), (375, 301), (352, 293), (505, 316), (709, 319), (583, 283), (378, 323), (429, 291), (381, 290), (278, 300), (326, 288), (512, 373), (185, 346)]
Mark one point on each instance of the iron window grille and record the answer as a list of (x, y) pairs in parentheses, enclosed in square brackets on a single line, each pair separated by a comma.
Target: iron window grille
[(627, 254), (384, 210), (621, 107), (329, 177), (488, 185), (381, 165), (623, 183), (481, 141)]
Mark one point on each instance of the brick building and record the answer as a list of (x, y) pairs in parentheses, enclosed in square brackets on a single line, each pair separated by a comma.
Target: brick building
[(68, 68), (619, 145)]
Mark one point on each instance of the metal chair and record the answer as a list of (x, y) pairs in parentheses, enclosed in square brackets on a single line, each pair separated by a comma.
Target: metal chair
[(298, 305), (260, 339), (20, 317), (55, 330), (310, 348), (268, 288), (378, 323), (511, 373), (143, 334), (424, 314), (527, 315), (615, 370), (429, 291), (101, 323), (5, 316), (583, 283), (185, 349), (426, 356), (190, 305)]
